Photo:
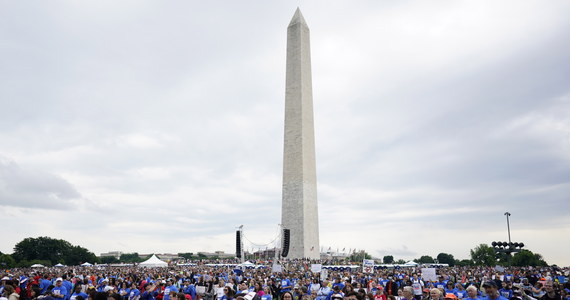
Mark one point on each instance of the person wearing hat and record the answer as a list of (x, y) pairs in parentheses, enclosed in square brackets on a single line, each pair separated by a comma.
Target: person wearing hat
[(59, 291), (102, 285), (492, 291)]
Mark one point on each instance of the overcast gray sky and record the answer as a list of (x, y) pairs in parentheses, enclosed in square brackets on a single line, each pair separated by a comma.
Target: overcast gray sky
[(157, 126)]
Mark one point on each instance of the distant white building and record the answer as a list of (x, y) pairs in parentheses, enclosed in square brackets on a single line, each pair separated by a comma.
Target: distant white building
[(116, 254), (219, 254)]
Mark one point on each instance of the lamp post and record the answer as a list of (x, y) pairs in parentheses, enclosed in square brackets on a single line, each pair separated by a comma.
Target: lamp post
[(508, 226)]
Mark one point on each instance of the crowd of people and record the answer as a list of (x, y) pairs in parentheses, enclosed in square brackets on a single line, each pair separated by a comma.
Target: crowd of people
[(294, 281)]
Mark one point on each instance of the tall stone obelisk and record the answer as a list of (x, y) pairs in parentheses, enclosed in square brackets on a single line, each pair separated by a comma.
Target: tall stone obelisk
[(299, 207)]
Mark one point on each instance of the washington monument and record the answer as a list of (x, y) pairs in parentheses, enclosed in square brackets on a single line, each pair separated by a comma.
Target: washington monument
[(300, 210)]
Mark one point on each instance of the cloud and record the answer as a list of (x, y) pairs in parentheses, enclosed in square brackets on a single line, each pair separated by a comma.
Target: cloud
[(431, 120), (22, 187)]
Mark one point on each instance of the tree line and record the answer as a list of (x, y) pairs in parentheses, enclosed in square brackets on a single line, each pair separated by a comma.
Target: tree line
[(49, 252), (481, 255)]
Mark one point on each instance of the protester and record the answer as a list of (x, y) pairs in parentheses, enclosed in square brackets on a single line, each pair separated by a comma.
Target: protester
[(492, 291)]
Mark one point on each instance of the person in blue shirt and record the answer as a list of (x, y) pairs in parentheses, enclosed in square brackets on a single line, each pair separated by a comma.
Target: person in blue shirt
[(450, 287), (78, 292), (267, 293), (149, 292), (170, 287), (189, 289), (124, 290), (492, 291), (102, 284), (460, 292), (134, 293), (324, 291), (441, 284), (44, 284), (507, 290), (59, 291), (286, 285), (335, 293), (338, 283), (68, 285)]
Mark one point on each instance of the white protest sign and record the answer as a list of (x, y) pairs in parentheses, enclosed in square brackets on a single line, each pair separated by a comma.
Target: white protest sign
[(316, 268), (276, 268), (324, 274), (201, 290), (368, 266), (499, 269), (428, 274)]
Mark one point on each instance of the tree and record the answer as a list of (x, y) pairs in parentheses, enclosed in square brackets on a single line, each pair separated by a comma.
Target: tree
[(189, 255), (388, 259), (445, 258), (43, 248), (109, 260), (400, 261), (6, 261), (425, 259), (131, 258), (483, 255), (359, 256), (50, 251), (526, 258), (463, 262), (77, 255)]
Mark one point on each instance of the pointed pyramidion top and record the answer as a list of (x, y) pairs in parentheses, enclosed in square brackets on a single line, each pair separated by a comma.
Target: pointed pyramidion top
[(297, 18)]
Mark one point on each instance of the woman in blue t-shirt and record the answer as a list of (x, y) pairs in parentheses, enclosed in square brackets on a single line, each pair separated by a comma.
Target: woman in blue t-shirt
[(267, 294)]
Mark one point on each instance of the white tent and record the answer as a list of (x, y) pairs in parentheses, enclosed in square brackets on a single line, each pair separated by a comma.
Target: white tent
[(411, 263), (153, 262), (59, 265), (86, 264), (37, 266)]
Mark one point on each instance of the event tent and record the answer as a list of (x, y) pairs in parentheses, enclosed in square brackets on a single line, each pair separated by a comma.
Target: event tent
[(37, 266), (153, 262), (59, 265), (86, 264)]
